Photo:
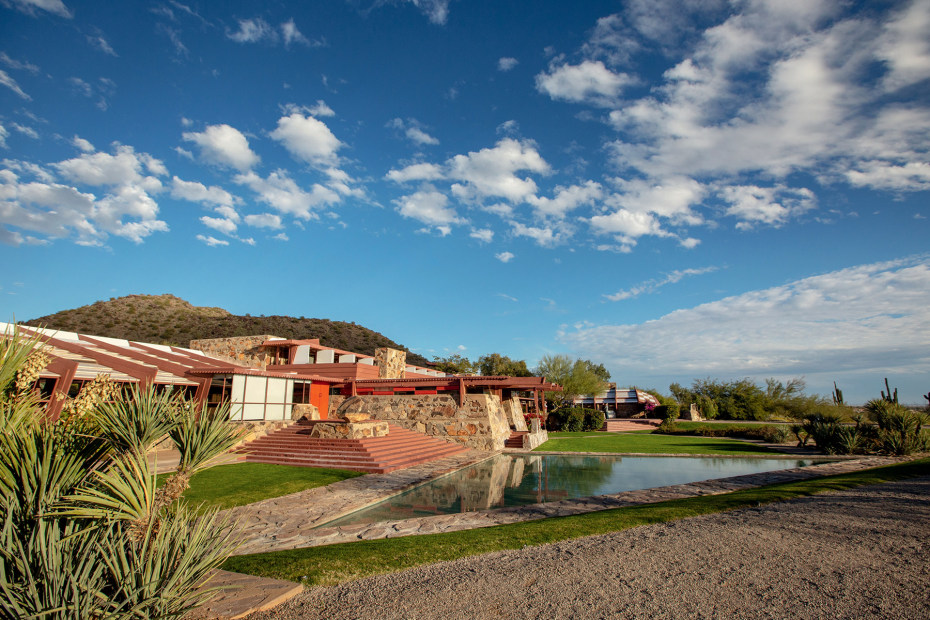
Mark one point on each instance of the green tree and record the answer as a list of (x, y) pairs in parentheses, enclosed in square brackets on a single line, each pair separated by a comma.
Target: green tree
[(598, 369), (495, 364), (456, 365), (574, 375)]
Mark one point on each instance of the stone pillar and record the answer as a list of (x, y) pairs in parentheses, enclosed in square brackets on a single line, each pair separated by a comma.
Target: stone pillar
[(391, 363)]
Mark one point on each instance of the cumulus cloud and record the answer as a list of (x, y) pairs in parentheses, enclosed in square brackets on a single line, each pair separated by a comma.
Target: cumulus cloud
[(307, 139), (82, 144), (194, 191), (222, 224), (588, 82), (773, 206), (856, 320), (491, 172), (506, 63), (415, 172), (485, 235), (652, 285), (223, 145), (125, 180), (211, 241), (252, 31), (279, 191), (567, 199), (430, 207), (264, 220), (413, 131), (504, 257)]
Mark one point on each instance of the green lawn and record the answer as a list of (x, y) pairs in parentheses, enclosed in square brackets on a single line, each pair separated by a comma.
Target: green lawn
[(225, 486), (647, 443), (332, 564)]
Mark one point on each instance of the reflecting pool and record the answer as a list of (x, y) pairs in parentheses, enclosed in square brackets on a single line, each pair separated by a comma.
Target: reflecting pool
[(518, 480)]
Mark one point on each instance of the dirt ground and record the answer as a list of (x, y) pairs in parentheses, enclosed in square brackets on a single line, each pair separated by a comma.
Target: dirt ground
[(863, 553)]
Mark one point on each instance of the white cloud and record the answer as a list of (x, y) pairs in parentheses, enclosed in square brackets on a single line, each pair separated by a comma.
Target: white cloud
[(308, 139), (264, 220), (651, 286), (485, 235), (26, 131), (252, 31), (281, 237), (492, 171), (52, 6), (566, 199), (283, 194), (221, 224), (436, 10), (291, 34), (6, 80), (82, 144), (198, 192), (430, 207), (545, 236), (589, 82), (766, 205), (126, 167), (4, 133), (504, 257), (223, 145), (912, 176), (19, 65), (857, 320), (905, 47), (628, 226), (212, 241), (415, 172), (413, 131), (506, 63), (101, 44)]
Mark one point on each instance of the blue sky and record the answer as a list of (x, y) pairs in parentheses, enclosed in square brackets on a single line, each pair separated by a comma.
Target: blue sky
[(678, 190)]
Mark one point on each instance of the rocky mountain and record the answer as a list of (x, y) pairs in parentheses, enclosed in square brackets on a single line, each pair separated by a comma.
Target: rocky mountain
[(166, 319)]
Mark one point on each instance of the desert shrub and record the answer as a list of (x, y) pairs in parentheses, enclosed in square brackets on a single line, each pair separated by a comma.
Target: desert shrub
[(593, 419), (574, 421), (899, 428), (826, 430)]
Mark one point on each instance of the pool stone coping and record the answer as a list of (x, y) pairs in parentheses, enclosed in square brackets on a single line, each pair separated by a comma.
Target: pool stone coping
[(263, 532)]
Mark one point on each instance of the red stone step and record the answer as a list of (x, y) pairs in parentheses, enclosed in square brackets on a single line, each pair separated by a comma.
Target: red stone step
[(515, 441), (400, 448)]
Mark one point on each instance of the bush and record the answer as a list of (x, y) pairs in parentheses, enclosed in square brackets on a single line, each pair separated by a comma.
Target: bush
[(574, 421), (555, 421), (593, 419), (899, 428)]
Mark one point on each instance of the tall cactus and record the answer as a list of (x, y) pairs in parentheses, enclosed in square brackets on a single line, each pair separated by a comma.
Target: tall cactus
[(889, 397), (837, 395)]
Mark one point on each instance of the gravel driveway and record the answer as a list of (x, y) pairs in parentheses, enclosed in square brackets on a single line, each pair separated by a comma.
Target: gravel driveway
[(863, 553)]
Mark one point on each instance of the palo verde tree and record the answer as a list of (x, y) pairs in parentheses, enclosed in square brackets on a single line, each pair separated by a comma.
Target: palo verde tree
[(84, 533), (495, 364), (456, 364), (576, 376)]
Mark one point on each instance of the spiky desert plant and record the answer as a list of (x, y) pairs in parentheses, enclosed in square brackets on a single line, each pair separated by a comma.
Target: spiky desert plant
[(900, 430), (81, 535), (200, 435), (93, 394), (135, 423)]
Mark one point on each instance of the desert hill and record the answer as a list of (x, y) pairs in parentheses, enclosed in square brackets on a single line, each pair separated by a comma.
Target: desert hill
[(166, 319)]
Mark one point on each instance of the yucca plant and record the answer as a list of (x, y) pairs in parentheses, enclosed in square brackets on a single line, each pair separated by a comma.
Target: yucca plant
[(900, 430), (83, 532)]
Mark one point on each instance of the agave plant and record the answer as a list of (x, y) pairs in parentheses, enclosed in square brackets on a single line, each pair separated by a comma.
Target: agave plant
[(83, 531)]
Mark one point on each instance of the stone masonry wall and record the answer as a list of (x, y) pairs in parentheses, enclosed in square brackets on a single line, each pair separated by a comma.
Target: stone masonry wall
[(392, 364), (243, 350), (480, 423)]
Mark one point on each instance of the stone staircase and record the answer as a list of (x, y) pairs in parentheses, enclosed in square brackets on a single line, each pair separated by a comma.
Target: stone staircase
[(398, 449), (620, 425), (515, 441)]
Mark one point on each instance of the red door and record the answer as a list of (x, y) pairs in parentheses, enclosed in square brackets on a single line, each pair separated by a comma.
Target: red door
[(319, 397)]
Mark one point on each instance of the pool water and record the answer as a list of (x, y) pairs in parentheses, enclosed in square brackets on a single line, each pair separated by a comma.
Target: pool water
[(519, 480)]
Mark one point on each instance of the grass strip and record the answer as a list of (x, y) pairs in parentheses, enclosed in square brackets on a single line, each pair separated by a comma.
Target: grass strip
[(238, 484), (649, 444), (333, 564)]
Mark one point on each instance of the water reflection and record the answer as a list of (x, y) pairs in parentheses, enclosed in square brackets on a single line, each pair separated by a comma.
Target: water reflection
[(519, 480)]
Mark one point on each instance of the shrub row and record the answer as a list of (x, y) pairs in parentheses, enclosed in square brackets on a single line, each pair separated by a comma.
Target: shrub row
[(769, 433), (575, 419)]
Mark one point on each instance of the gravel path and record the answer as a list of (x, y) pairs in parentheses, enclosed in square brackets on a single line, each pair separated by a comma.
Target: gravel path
[(854, 554)]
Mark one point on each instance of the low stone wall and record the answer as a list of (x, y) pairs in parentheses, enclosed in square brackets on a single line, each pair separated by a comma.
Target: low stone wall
[(480, 423), (349, 429), (255, 429)]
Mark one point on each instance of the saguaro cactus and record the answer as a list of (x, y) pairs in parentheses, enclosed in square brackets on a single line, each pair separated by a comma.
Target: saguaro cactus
[(888, 397), (837, 395)]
